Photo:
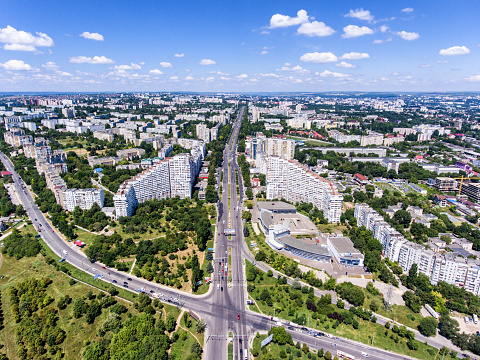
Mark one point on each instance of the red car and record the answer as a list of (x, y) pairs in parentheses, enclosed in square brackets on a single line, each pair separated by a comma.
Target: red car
[(103, 267), (238, 317)]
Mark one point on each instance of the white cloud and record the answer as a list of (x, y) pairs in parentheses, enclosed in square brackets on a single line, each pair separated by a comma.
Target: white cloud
[(297, 69), (360, 14), (345, 64), (15, 38), (264, 52), (173, 77), (270, 75), (90, 60), (384, 28), (315, 28), (221, 78), (382, 41), (407, 10), (156, 72), (189, 77), (165, 64), (63, 73), (253, 80), (326, 73), (455, 50), (351, 31), (279, 20), (179, 55), (19, 47), (425, 65), (355, 56), (242, 76), (211, 78), (408, 35), (317, 57), (92, 36), (15, 65), (132, 66), (207, 62), (474, 78), (51, 66), (441, 61)]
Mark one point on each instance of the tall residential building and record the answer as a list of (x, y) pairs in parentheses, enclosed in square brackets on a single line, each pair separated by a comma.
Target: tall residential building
[(294, 182), (83, 198), (438, 267), (32, 151), (276, 146), (167, 178)]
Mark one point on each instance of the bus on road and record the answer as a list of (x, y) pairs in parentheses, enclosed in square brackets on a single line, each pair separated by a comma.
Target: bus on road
[(344, 355)]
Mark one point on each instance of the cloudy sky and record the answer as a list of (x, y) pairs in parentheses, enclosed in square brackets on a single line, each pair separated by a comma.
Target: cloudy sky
[(239, 46)]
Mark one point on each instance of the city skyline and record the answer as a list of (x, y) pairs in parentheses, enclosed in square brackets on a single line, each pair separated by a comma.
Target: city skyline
[(281, 46)]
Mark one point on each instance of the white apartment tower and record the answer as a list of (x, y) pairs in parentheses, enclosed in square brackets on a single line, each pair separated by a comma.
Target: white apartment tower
[(292, 181)]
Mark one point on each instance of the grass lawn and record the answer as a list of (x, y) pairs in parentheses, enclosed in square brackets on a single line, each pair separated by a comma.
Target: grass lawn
[(181, 348), (230, 351), (311, 142), (77, 330), (85, 236), (275, 349)]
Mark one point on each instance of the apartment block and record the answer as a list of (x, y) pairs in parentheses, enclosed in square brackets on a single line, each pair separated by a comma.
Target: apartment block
[(167, 178), (472, 190), (294, 182), (32, 151), (438, 267), (17, 138), (83, 198), (131, 153), (103, 135), (445, 184)]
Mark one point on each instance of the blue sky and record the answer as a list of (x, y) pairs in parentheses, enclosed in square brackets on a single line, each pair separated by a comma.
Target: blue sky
[(239, 46)]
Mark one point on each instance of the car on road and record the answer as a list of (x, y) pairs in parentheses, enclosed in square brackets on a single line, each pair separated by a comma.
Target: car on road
[(129, 279), (364, 354), (125, 286), (170, 297), (221, 288), (53, 231), (290, 328), (304, 329), (93, 269), (125, 283), (152, 292), (114, 281), (238, 316), (298, 330), (103, 267)]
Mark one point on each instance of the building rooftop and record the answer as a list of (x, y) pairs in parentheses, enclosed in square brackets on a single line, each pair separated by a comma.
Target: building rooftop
[(343, 245), (300, 244), (275, 206)]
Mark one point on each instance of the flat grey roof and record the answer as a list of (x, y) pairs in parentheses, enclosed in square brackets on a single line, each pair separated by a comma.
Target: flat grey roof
[(302, 245), (343, 245), (275, 206)]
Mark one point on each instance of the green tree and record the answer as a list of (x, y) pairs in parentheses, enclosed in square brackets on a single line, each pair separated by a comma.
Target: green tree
[(403, 217), (170, 323), (428, 326)]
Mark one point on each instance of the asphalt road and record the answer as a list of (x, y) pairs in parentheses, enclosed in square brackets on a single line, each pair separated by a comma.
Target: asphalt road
[(223, 310)]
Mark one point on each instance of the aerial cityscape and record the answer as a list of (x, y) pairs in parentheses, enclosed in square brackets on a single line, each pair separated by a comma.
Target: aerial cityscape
[(248, 181)]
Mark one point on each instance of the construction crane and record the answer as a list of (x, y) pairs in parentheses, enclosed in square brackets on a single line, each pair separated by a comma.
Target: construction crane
[(466, 178)]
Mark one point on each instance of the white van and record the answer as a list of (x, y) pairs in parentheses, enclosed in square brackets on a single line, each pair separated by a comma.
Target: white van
[(466, 319), (218, 286)]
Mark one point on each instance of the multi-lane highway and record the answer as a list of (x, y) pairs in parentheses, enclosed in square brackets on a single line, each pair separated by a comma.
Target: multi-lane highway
[(223, 307)]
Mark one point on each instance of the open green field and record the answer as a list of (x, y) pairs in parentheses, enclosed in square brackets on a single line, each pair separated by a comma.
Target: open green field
[(310, 142), (181, 348), (77, 330)]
